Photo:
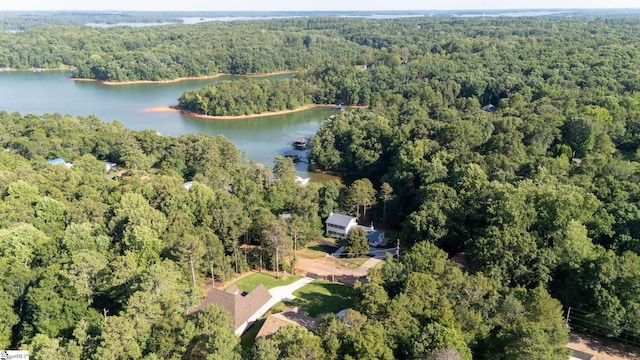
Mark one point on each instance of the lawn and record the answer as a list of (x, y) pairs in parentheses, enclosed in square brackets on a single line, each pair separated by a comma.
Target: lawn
[(321, 297), (250, 282), (317, 249)]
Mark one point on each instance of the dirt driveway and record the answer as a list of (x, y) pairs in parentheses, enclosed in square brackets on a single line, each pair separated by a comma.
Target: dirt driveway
[(602, 348), (325, 268)]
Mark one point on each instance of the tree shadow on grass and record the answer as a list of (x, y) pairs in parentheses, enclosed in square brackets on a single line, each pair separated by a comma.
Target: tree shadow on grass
[(324, 248), (330, 299), (349, 280)]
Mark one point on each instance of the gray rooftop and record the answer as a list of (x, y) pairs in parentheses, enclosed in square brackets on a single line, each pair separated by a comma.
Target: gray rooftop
[(339, 219)]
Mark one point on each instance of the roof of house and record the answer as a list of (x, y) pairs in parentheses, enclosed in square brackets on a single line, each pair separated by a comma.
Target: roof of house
[(240, 306), (302, 181), (289, 316), (489, 108), (60, 161), (339, 219), (57, 161), (373, 234), (285, 216), (272, 324)]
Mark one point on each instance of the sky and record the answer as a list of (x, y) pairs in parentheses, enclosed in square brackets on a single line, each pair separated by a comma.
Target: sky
[(299, 5)]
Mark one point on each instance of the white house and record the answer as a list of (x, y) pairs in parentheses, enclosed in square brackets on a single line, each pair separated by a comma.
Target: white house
[(302, 181), (338, 225), (110, 166)]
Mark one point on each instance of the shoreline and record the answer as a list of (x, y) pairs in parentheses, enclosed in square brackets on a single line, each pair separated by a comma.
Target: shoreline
[(171, 81), (61, 68), (195, 115)]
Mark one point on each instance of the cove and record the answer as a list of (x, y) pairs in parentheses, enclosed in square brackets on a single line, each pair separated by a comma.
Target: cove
[(54, 92)]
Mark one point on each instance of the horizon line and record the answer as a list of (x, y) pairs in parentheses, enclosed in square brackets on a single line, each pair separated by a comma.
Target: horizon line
[(329, 10)]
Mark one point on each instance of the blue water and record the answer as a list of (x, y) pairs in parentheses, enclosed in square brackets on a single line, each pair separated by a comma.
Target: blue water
[(261, 139)]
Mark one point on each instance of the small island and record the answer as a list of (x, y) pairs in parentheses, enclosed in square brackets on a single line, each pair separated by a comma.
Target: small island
[(321, 86)]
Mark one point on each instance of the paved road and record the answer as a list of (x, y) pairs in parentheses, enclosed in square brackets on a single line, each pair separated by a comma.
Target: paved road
[(279, 293), (368, 265)]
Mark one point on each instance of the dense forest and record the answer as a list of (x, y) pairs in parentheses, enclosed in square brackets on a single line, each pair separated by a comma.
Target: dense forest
[(99, 264), (173, 51), (102, 264), (517, 146), (511, 145), (96, 265)]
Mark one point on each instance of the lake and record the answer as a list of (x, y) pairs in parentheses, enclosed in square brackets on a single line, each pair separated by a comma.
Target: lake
[(54, 92)]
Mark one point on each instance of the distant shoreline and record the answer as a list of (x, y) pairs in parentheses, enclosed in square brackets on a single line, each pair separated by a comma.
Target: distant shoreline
[(241, 117), (8, 69), (170, 81)]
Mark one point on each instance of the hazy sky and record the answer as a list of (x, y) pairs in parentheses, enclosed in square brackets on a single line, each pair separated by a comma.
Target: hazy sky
[(259, 5)]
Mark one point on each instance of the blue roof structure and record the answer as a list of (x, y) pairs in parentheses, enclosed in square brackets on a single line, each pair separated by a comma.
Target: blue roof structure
[(374, 237), (56, 161)]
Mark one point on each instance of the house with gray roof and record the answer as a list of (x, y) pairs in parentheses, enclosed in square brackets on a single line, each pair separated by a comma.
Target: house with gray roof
[(374, 237), (240, 305), (338, 225), (489, 108), (289, 316)]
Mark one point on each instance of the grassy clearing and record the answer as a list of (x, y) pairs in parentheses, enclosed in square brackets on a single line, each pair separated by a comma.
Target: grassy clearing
[(250, 282), (321, 297), (318, 248), (312, 252)]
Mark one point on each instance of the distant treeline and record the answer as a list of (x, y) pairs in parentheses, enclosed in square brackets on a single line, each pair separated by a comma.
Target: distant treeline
[(23, 20), (173, 51), (253, 47)]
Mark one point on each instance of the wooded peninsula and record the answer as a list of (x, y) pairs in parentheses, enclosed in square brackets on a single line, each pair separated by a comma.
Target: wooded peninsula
[(503, 152)]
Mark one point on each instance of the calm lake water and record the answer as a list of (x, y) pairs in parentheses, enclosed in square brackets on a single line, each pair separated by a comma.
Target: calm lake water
[(54, 92)]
